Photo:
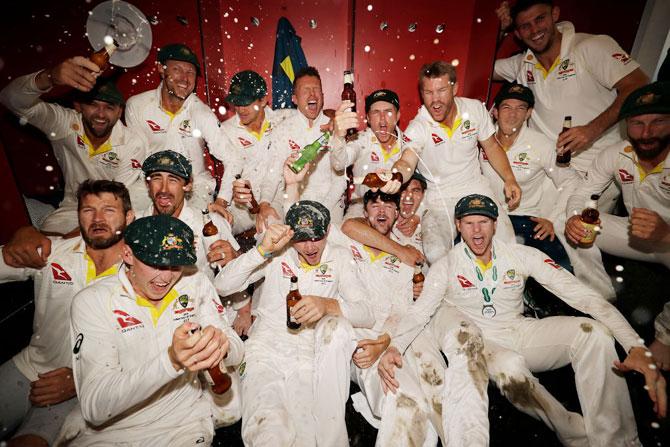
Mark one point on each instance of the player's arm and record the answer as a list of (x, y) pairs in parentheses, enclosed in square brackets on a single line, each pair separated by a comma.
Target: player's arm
[(500, 163), (405, 165)]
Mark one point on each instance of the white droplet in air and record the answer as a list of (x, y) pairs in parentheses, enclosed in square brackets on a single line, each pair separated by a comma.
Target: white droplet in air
[(235, 20), (391, 59), (619, 279), (369, 7), (366, 48), (436, 41), (479, 20), (619, 268), (383, 26), (365, 167), (52, 134), (133, 81), (312, 23), (51, 188), (655, 425), (196, 133), (48, 168), (225, 15), (455, 62), (412, 27), (412, 57), (466, 115), (439, 28), (23, 121), (647, 353), (109, 40)]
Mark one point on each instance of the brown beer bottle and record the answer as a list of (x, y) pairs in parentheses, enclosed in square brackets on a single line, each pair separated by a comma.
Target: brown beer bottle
[(292, 299), (209, 230), (101, 57), (219, 380), (253, 204), (565, 157), (418, 275), (349, 94), (377, 180), (589, 217)]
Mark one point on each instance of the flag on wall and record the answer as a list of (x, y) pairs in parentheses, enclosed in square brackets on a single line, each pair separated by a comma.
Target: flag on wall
[(289, 59)]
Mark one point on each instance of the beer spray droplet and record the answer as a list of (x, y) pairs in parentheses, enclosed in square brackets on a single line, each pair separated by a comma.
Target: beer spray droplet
[(436, 41), (619, 268), (479, 20), (183, 20), (108, 40), (439, 29), (48, 168), (312, 23), (455, 62), (412, 57), (366, 48), (412, 27), (369, 7), (222, 110), (153, 20), (197, 133), (383, 26), (255, 21)]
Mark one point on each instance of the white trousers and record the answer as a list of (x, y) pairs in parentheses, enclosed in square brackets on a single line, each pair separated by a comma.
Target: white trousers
[(294, 393), (515, 351)]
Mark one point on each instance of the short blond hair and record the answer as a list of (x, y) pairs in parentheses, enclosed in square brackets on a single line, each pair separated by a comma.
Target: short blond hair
[(437, 69)]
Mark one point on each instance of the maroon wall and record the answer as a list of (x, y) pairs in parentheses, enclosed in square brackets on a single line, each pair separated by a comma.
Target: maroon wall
[(39, 33)]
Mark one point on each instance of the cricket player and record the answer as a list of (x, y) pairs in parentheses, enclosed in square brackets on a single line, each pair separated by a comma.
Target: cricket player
[(295, 384), (38, 390), (484, 279), (89, 142), (173, 117), (140, 338), (441, 142), (640, 168)]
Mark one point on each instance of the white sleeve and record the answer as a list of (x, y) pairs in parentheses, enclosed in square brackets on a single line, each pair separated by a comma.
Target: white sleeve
[(22, 97), (576, 294), (342, 154), (232, 166), (274, 177), (355, 304), (413, 322), (662, 325), (240, 272), (133, 157), (225, 231), (598, 177), (509, 67), (414, 137), (106, 389), (486, 127), (606, 60)]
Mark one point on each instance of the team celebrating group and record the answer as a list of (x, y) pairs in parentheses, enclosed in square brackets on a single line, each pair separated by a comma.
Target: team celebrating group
[(168, 304)]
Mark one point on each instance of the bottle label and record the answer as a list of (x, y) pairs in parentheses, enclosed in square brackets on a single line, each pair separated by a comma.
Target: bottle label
[(208, 378), (385, 176), (590, 233)]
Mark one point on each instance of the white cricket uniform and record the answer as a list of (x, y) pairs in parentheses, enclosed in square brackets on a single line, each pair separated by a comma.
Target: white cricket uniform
[(449, 161), (249, 155), (618, 164), (295, 385), (516, 345), (580, 84), (415, 240), (186, 132), (367, 155), (119, 158), (129, 391), (533, 161), (662, 325), (68, 270), (323, 184)]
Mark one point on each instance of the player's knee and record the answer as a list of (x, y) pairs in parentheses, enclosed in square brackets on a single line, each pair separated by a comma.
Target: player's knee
[(595, 332), (266, 428), (333, 331), (464, 337), (507, 367)]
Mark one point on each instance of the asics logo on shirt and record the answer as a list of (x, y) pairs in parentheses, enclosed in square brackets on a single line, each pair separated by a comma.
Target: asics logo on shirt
[(465, 282), (155, 127), (625, 176), (243, 142), (59, 273)]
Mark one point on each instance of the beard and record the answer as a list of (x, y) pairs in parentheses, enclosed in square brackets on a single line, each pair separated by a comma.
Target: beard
[(97, 132), (101, 243), (655, 146), (172, 89)]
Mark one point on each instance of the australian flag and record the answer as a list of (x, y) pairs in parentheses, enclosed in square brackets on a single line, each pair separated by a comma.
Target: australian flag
[(289, 59)]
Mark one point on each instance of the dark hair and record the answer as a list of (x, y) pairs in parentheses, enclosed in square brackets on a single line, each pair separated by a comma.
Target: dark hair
[(307, 71), (372, 196), (437, 69), (522, 5), (97, 187), (421, 181)]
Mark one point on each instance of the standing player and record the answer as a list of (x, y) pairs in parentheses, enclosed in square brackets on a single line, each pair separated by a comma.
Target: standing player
[(441, 142), (173, 117), (89, 142)]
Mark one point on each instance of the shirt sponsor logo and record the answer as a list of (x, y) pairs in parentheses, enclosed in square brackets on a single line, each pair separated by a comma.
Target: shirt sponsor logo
[(484, 156), (185, 128), (356, 254), (530, 79), (521, 159), (566, 70), (135, 164), (374, 156), (436, 139), (552, 263), (59, 274), (622, 57), (322, 276), (294, 146), (665, 183), (405, 138), (465, 282), (218, 305), (286, 270), (468, 129), (155, 127), (80, 141), (110, 159), (126, 321), (244, 142), (625, 176)]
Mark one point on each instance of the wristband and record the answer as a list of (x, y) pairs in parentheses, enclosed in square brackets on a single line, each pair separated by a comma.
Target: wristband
[(263, 253)]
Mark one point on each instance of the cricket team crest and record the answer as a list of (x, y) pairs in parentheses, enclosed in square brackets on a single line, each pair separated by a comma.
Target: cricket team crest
[(172, 242)]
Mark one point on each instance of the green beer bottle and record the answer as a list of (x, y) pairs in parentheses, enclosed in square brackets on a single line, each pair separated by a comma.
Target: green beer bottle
[(310, 151)]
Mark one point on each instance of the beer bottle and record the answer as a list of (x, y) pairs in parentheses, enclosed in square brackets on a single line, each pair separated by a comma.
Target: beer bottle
[(310, 152), (349, 94), (418, 275), (209, 231), (377, 179), (292, 299), (253, 204), (565, 157), (101, 57), (589, 217), (219, 380)]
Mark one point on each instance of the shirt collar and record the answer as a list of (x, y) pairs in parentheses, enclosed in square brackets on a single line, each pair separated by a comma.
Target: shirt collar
[(320, 119)]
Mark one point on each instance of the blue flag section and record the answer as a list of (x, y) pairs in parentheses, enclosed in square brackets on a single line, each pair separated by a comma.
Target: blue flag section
[(289, 59)]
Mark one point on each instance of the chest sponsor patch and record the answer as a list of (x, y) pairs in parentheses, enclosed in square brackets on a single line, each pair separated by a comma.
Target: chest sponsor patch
[(185, 127), (374, 156), (154, 127), (293, 145), (566, 70), (625, 176), (59, 274), (465, 282), (521, 160), (552, 263), (468, 129), (244, 142), (530, 79), (110, 159), (126, 321), (323, 275), (286, 270), (436, 139), (665, 183)]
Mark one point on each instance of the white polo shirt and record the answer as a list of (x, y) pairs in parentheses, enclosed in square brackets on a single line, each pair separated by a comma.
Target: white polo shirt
[(323, 184), (533, 159), (120, 158), (640, 189), (123, 374), (449, 157), (580, 84), (186, 131), (69, 269)]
